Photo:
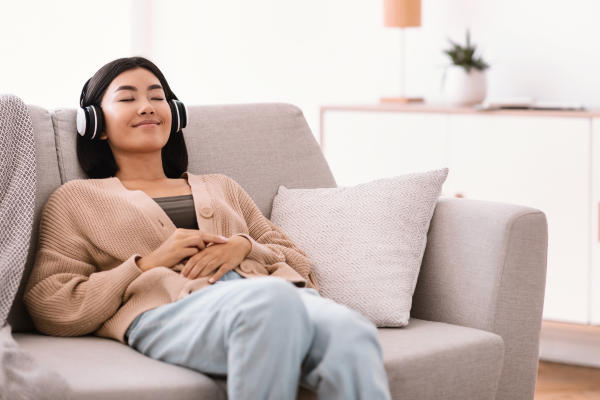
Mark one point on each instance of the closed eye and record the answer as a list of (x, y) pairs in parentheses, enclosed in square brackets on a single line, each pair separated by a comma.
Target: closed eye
[(154, 98)]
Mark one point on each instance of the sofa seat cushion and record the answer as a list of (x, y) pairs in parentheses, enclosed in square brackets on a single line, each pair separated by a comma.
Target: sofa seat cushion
[(423, 360), (434, 360), (102, 369)]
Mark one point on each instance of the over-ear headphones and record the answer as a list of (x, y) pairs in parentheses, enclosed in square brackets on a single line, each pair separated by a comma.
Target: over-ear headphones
[(90, 119)]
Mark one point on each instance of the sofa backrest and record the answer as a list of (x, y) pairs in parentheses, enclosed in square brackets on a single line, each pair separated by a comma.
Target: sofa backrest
[(260, 146)]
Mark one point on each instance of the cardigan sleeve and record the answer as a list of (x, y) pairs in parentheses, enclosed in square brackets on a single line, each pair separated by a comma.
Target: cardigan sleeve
[(270, 244), (66, 294)]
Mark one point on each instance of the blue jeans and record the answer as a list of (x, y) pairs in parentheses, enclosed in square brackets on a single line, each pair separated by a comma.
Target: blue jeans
[(267, 336)]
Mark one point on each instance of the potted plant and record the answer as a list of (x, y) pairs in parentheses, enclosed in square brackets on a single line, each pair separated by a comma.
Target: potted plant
[(464, 79)]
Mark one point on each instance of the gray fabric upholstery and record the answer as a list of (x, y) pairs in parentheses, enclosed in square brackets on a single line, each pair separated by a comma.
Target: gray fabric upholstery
[(47, 181), (463, 364), (260, 146), (485, 267), (64, 122), (23, 377), (428, 360), (431, 360), (103, 369)]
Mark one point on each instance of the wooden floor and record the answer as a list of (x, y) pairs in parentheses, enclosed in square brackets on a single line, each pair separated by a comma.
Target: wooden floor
[(567, 382)]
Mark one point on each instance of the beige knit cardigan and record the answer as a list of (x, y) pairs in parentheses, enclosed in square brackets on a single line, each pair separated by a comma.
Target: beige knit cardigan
[(85, 278)]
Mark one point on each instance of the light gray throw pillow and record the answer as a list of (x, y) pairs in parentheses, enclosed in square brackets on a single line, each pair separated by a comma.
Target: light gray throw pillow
[(366, 242)]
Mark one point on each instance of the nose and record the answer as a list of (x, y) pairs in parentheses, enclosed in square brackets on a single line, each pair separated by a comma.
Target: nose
[(146, 108)]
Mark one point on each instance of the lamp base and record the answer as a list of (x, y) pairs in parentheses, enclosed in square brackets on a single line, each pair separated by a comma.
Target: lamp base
[(403, 100)]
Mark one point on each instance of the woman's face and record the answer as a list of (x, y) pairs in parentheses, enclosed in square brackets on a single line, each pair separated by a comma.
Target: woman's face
[(136, 113)]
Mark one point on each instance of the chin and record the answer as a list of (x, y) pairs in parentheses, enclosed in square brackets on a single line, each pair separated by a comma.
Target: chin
[(150, 142)]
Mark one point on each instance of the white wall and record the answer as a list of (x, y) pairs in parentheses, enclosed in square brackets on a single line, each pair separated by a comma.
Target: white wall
[(315, 52), (548, 49), (49, 49), (306, 52)]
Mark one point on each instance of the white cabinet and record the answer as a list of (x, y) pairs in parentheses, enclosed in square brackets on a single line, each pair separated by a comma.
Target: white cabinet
[(539, 160), (361, 147), (595, 225), (542, 163)]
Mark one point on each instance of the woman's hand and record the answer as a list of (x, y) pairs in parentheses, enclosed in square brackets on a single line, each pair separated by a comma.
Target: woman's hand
[(220, 257), (183, 243)]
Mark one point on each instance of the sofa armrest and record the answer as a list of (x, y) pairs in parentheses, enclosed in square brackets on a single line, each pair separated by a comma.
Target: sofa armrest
[(484, 267)]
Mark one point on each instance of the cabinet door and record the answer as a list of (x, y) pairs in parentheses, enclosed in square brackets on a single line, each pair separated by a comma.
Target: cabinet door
[(595, 239), (361, 146), (541, 162)]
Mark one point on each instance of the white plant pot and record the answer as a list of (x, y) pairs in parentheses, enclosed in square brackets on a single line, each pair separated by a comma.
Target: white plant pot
[(462, 88)]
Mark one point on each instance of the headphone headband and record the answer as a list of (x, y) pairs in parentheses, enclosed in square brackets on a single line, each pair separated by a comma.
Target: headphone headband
[(83, 92)]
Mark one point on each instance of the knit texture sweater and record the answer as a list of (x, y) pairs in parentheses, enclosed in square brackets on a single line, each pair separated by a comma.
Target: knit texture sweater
[(92, 231)]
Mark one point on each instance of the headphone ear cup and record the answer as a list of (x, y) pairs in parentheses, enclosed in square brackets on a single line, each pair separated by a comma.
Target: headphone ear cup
[(174, 121), (90, 122), (81, 122), (179, 115), (101, 124), (184, 114)]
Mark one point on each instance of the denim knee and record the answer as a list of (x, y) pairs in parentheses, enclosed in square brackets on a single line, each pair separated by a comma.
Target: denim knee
[(274, 308), (277, 297), (348, 324)]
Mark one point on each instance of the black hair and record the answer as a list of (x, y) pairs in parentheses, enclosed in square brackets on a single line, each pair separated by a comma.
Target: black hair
[(95, 156)]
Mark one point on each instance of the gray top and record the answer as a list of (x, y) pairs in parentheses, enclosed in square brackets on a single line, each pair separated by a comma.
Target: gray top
[(180, 209)]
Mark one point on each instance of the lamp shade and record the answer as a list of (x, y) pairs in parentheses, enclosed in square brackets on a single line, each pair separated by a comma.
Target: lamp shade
[(402, 13)]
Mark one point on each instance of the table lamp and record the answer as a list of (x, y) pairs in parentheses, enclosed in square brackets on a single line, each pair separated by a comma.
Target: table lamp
[(402, 14)]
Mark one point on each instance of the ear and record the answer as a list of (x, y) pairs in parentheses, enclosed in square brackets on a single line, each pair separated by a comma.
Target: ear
[(103, 136)]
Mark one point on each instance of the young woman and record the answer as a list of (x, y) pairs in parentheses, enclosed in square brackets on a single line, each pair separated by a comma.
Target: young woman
[(184, 268)]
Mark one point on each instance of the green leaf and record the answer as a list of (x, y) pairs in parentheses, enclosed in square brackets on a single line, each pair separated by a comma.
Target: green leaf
[(465, 56)]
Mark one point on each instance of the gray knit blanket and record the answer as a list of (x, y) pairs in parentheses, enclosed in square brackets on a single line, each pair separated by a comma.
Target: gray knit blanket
[(17, 195), (21, 377)]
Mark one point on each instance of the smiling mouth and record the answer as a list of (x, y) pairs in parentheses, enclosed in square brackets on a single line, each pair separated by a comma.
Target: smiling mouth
[(144, 125), (147, 124)]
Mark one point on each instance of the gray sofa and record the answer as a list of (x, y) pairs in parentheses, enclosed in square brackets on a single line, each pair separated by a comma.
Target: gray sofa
[(477, 308)]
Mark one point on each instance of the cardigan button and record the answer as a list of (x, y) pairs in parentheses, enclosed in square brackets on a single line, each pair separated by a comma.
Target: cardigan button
[(246, 267), (206, 212)]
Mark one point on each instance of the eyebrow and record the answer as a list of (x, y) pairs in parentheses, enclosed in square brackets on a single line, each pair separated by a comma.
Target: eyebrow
[(127, 87)]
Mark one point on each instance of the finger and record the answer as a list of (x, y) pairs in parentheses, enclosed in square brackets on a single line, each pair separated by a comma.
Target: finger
[(189, 252), (186, 254), (193, 272), (213, 238), (193, 241), (210, 266), (191, 264), (186, 233), (225, 268), (199, 269), (187, 268)]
